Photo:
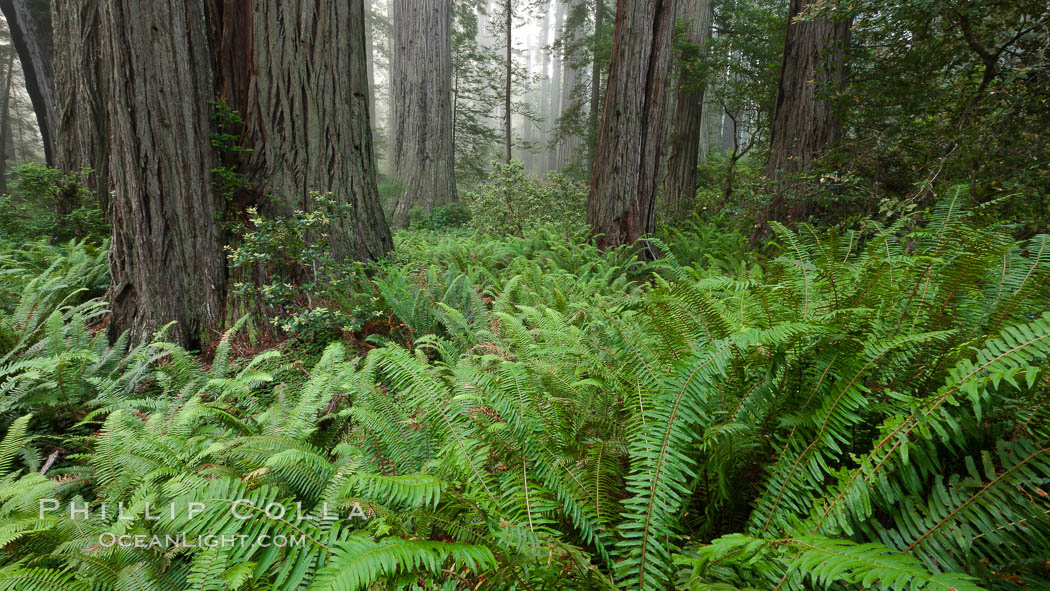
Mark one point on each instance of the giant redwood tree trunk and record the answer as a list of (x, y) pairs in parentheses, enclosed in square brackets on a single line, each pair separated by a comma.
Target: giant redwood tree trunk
[(620, 206), (30, 26), (422, 85), (296, 72), (167, 261), (805, 124), (688, 121)]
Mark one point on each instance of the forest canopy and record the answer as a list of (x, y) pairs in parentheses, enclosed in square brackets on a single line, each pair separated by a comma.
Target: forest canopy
[(706, 295)]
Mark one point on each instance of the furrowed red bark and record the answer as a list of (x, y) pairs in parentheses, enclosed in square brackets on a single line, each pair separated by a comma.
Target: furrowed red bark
[(167, 261), (687, 121), (805, 124), (139, 79), (81, 120), (620, 206), (422, 151), (370, 62), (296, 72)]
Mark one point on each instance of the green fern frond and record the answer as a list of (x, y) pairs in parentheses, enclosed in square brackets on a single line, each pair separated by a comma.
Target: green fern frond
[(826, 562), (359, 562), (14, 439)]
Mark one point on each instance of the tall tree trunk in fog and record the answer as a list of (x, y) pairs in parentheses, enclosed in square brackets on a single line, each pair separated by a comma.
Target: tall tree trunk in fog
[(167, 261), (422, 87), (804, 125), (509, 24), (29, 23), (711, 110), (5, 121), (596, 80), (571, 75), (545, 90), (370, 62), (81, 118), (554, 110), (527, 132), (297, 74), (620, 206), (485, 21), (687, 121), (728, 133), (20, 152), (391, 121)]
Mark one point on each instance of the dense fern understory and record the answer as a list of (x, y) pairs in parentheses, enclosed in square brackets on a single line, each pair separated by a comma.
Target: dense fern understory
[(865, 410)]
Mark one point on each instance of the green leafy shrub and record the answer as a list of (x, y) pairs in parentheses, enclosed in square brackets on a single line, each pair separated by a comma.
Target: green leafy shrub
[(46, 202), (444, 217), (510, 202), (283, 269)]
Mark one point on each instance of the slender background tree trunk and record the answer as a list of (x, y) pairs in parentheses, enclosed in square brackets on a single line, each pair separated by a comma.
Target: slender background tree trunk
[(391, 108), (541, 160), (571, 76), (527, 131), (620, 207), (508, 15), (5, 121), (596, 80)]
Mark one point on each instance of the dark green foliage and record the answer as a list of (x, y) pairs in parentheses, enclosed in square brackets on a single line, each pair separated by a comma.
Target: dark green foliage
[(948, 92), (389, 190), (476, 95), (939, 94)]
